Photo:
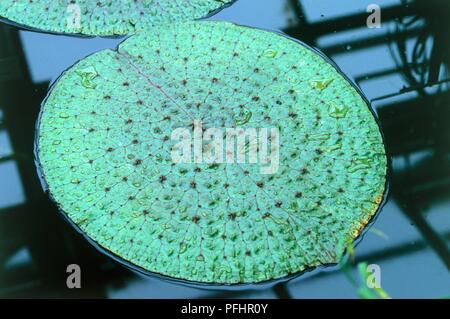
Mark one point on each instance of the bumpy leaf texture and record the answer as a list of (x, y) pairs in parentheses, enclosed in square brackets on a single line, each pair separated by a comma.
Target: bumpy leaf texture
[(104, 17), (104, 149)]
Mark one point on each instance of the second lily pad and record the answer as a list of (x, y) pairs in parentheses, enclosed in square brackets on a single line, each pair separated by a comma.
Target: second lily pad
[(104, 17)]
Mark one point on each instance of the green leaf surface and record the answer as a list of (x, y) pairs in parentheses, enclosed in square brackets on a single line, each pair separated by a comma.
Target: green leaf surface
[(104, 17), (104, 148)]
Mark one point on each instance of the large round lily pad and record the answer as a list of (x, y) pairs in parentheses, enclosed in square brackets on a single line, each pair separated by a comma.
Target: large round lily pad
[(105, 150), (104, 17)]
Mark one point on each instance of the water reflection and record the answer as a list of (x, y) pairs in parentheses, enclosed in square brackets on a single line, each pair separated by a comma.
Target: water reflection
[(401, 67)]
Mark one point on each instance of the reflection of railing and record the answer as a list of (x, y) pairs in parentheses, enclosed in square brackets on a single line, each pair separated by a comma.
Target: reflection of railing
[(33, 228), (426, 20), (9, 69), (314, 30)]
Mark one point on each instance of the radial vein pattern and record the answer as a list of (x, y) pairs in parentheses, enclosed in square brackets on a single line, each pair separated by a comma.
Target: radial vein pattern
[(104, 17), (105, 152)]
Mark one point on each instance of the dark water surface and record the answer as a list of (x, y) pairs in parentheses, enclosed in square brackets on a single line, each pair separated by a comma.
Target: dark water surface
[(401, 67)]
